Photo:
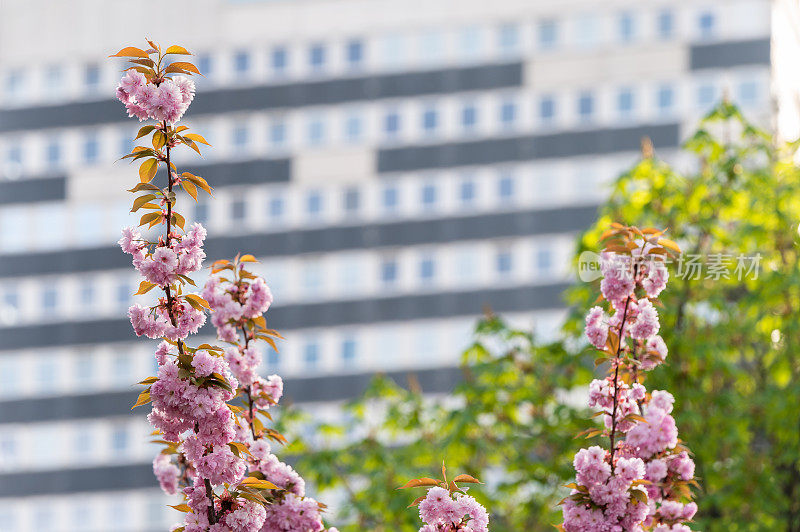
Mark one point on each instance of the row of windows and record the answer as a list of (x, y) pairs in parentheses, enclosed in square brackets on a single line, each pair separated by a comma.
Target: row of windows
[(432, 120), (89, 512), (355, 53), (336, 276)]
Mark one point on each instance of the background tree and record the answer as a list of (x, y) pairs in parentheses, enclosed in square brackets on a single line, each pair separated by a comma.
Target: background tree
[(733, 333)]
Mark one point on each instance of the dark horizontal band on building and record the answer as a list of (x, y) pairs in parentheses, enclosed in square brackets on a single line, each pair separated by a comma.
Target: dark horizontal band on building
[(49, 188), (729, 54), (278, 96), (601, 141), (317, 389), (309, 315), (323, 240)]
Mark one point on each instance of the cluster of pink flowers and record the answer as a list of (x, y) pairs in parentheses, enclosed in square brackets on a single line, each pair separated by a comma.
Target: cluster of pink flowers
[(167, 473), (641, 482), (235, 303), (166, 101), (443, 512), (183, 255)]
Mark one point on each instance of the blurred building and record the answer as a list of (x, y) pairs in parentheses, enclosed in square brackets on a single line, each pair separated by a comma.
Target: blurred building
[(396, 167)]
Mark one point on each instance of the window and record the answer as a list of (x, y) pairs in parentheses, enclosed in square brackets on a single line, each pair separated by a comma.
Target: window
[(91, 148), (626, 27), (352, 127), (277, 133), (706, 94), (666, 98), (548, 34), (469, 116), (201, 211), (9, 376), (312, 278), (8, 449), (14, 155), (351, 200), (748, 92), (587, 35), (205, 66), (316, 58), (508, 114), (240, 137), (427, 269), (348, 351), (91, 78), (585, 106), (53, 153), (666, 25), (273, 359), (122, 369), (11, 298), (46, 373), (279, 59), (544, 262), (625, 102), (241, 64), (124, 293), (127, 142), (390, 199), (83, 444), (14, 83), (49, 299), (391, 123), (355, 54), (389, 271), (428, 195), (508, 39), (53, 80), (547, 109), (470, 42), (393, 50), (311, 355), (467, 191), (706, 25), (84, 369), (431, 47), (429, 120), (119, 439), (505, 187), (239, 209), (316, 131), (503, 262), (314, 204), (276, 209)]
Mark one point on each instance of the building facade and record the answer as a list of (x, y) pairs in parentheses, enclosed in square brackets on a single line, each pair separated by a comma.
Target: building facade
[(396, 167)]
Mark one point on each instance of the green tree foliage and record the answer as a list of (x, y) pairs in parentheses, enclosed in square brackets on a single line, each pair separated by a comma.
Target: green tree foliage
[(733, 366)]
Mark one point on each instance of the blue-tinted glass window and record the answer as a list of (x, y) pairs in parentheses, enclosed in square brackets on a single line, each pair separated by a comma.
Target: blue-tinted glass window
[(627, 29), (505, 187), (625, 102), (706, 94), (204, 65), (276, 208), (316, 57), (503, 262), (585, 106), (355, 53), (279, 59), (547, 109), (241, 63), (352, 200), (316, 131), (348, 351), (508, 113), (707, 25), (91, 78), (469, 116), (311, 355), (467, 191), (238, 209), (201, 211), (390, 198), (277, 133), (666, 25), (548, 34), (124, 294), (352, 127), (53, 79), (391, 123), (430, 120), (666, 98), (314, 203), (87, 294), (427, 269), (53, 153), (748, 92), (14, 154), (508, 38), (240, 137), (544, 261), (428, 195), (14, 83), (389, 271), (91, 149), (11, 298), (470, 42), (273, 359)]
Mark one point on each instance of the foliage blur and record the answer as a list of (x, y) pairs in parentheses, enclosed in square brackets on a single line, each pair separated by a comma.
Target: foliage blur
[(733, 364)]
